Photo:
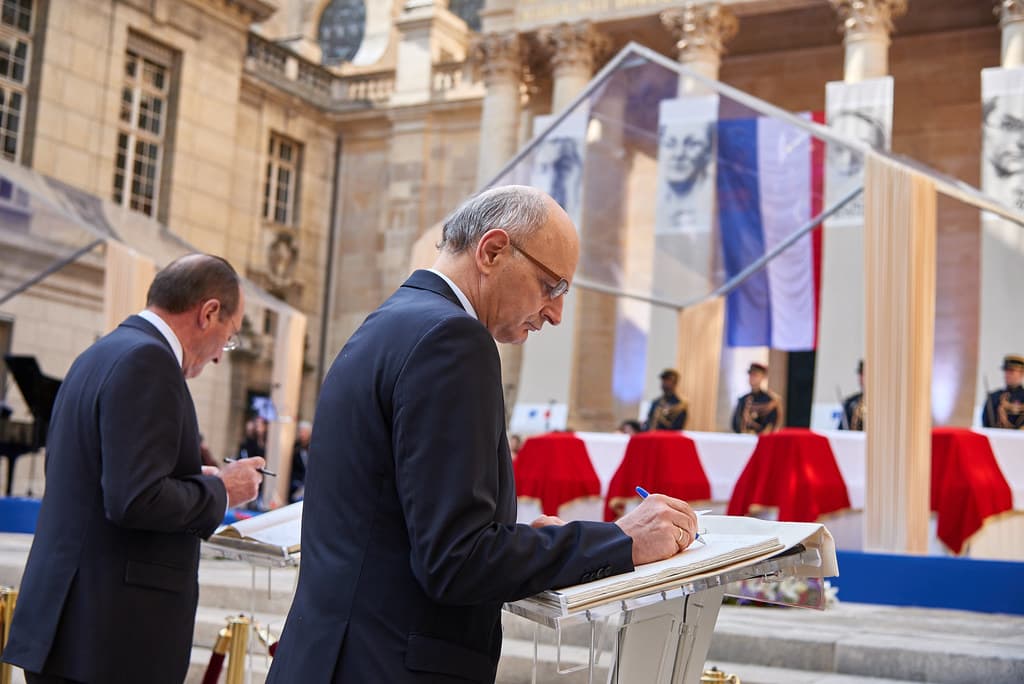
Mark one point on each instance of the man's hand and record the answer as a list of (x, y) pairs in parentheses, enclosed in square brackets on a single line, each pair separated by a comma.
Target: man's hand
[(241, 480), (660, 527), (546, 520)]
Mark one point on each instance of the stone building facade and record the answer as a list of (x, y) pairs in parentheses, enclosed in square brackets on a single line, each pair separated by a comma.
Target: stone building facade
[(313, 142)]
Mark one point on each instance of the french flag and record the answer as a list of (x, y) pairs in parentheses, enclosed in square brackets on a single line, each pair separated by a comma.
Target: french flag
[(769, 183)]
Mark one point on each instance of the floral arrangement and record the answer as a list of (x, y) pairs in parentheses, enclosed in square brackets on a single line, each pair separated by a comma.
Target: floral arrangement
[(807, 592)]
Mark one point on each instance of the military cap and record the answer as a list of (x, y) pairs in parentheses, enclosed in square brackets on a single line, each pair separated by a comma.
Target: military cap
[(669, 373), (1013, 362), (757, 367)]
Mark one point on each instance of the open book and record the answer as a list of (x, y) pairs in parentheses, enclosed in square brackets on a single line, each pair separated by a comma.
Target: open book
[(720, 550), (276, 533), (732, 542)]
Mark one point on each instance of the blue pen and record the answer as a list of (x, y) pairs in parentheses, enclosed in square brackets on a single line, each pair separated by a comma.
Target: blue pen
[(644, 494)]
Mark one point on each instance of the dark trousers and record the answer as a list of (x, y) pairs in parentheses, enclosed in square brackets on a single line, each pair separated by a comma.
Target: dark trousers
[(33, 678)]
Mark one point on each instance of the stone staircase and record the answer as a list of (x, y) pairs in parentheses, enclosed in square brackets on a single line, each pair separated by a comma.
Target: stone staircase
[(848, 644)]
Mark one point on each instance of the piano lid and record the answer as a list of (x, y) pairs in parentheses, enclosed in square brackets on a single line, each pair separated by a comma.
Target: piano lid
[(39, 390)]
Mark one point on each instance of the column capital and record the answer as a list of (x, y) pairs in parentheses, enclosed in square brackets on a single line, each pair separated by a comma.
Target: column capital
[(574, 46), (700, 29), (1009, 11), (499, 56), (860, 17)]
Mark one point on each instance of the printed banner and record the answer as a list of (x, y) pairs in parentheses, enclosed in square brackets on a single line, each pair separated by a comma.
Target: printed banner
[(862, 111), (686, 165), (556, 166), (1002, 135)]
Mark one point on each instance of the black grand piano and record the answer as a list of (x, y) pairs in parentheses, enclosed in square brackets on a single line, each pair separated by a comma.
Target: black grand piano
[(39, 391)]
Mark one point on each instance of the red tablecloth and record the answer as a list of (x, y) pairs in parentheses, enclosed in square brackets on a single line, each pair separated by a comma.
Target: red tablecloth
[(967, 484), (660, 462), (794, 470), (555, 469)]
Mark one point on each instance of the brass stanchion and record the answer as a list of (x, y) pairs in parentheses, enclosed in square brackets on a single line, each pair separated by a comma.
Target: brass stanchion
[(8, 597), (237, 649), (216, 663), (715, 675)]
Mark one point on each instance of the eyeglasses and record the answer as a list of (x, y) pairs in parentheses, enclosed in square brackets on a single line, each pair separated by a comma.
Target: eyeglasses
[(232, 343), (561, 284)]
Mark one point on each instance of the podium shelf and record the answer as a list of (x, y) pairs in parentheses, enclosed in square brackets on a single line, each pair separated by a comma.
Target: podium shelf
[(557, 617)]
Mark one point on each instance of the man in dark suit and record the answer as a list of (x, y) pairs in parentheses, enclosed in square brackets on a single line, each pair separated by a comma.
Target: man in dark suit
[(668, 412), (409, 536), (300, 457), (853, 405), (110, 588), (759, 410), (1004, 408)]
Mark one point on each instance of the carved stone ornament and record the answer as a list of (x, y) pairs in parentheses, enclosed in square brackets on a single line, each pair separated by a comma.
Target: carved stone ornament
[(281, 257), (700, 27), (575, 46), (499, 56), (1009, 11), (868, 16)]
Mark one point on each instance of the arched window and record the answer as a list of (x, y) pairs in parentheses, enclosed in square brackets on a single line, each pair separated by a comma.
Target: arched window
[(468, 11), (342, 26)]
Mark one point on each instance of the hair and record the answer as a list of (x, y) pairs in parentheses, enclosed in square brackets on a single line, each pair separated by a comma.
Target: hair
[(189, 280), (878, 136), (518, 209)]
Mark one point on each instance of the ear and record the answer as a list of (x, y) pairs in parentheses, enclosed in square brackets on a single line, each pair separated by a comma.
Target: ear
[(209, 311), (493, 243)]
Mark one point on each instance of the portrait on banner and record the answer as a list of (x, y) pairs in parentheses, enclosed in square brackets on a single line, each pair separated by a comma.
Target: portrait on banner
[(861, 111), (557, 163), (686, 164), (1002, 135)]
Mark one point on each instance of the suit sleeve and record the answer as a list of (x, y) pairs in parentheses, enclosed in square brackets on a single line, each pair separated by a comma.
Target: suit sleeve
[(987, 412), (736, 413), (447, 423), (142, 406)]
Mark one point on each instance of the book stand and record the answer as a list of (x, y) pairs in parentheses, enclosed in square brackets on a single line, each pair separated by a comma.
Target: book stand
[(256, 557), (660, 637)]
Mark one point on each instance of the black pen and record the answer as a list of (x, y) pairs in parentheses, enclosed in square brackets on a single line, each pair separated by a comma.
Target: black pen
[(258, 470)]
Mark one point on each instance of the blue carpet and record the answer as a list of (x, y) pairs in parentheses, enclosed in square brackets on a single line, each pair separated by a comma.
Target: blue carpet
[(931, 582), (18, 514)]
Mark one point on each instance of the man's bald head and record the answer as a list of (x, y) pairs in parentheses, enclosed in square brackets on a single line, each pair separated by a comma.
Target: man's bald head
[(189, 280), (519, 210)]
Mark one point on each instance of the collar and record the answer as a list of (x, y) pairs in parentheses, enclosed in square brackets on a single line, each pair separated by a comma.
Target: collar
[(165, 330), (458, 293)]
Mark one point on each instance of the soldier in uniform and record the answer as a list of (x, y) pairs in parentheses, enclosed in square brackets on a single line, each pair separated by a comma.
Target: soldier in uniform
[(853, 405), (1005, 408), (668, 412), (759, 410)]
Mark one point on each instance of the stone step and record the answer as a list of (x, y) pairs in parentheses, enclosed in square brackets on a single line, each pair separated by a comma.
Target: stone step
[(209, 622), (235, 587), (761, 674), (917, 644), (200, 659)]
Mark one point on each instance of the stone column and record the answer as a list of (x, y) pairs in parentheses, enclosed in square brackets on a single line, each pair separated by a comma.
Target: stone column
[(500, 56), (866, 25), (575, 51), (701, 31), (841, 319), (682, 340), (1011, 20), (551, 360)]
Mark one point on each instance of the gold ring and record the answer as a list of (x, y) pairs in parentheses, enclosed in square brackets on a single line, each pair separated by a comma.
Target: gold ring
[(680, 537)]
